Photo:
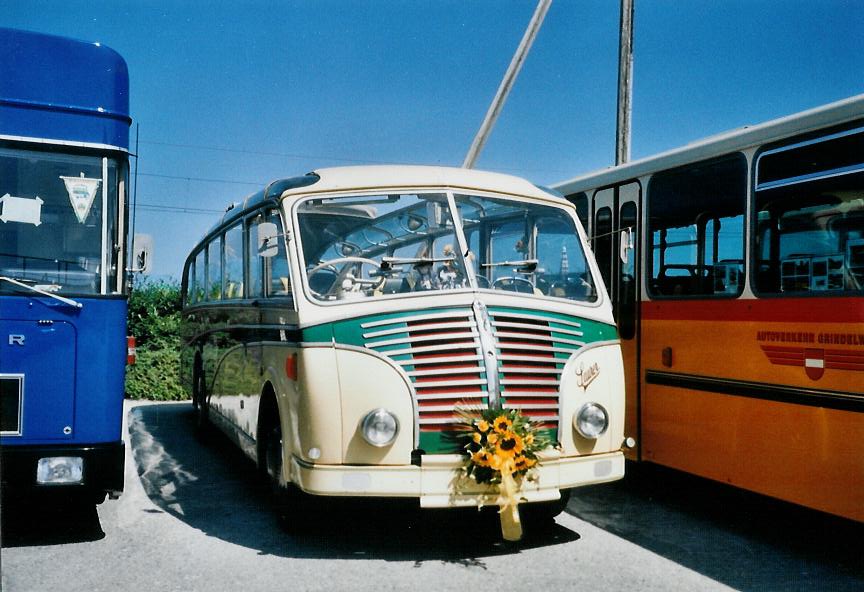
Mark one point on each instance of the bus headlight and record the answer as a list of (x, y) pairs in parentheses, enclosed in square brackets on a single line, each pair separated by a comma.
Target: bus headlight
[(591, 420), (379, 427)]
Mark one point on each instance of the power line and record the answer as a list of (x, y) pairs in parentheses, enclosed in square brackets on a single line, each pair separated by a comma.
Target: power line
[(178, 209), (265, 153), (204, 179)]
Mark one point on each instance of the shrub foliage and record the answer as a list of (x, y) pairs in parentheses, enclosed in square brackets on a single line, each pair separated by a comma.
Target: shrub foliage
[(154, 321)]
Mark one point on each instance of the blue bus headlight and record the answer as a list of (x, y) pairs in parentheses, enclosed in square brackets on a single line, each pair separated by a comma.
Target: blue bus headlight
[(379, 427), (591, 420), (60, 470)]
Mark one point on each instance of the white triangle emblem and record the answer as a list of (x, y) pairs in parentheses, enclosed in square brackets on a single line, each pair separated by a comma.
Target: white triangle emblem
[(81, 192)]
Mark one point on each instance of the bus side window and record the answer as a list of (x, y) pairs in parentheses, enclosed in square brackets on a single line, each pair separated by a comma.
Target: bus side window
[(233, 269), (696, 226), (254, 263), (276, 274), (200, 276), (810, 210), (214, 269)]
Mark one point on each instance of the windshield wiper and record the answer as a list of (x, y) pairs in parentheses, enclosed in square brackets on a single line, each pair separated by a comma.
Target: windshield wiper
[(523, 266), (20, 284)]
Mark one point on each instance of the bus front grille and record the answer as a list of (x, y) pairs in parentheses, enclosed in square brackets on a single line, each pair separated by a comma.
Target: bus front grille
[(441, 354)]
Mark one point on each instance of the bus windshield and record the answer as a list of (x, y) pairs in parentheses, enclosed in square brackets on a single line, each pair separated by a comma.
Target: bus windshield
[(376, 245), (53, 221)]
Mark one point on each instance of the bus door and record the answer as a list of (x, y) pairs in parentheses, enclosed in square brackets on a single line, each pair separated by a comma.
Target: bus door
[(615, 240)]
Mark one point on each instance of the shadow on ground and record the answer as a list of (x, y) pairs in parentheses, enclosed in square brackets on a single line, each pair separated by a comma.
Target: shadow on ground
[(744, 540), (40, 522), (212, 487)]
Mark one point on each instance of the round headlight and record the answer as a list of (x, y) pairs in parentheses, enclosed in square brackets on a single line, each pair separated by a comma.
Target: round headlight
[(591, 420), (379, 427)]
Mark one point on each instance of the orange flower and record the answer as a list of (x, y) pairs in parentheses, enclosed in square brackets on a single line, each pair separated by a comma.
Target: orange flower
[(477, 438), (483, 425), (492, 439)]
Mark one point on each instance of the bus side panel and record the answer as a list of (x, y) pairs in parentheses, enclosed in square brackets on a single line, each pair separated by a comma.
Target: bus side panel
[(735, 392), (87, 402)]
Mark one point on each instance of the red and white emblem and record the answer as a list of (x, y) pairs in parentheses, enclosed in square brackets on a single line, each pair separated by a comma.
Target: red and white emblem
[(814, 363)]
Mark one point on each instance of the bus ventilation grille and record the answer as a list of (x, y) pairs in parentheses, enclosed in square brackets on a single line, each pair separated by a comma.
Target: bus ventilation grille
[(532, 351), (440, 353)]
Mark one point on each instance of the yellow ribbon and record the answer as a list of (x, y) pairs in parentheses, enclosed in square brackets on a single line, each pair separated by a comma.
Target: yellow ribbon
[(508, 500)]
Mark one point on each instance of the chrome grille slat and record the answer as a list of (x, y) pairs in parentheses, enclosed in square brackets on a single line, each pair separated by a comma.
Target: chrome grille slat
[(534, 337), (535, 328), (420, 339), (425, 317), (405, 329)]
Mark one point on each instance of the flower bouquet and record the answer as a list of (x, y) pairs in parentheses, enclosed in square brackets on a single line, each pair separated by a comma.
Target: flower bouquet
[(502, 447)]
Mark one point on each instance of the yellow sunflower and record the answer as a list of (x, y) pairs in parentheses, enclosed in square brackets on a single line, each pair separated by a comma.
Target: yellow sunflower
[(522, 463), (510, 445), (502, 424), (481, 458)]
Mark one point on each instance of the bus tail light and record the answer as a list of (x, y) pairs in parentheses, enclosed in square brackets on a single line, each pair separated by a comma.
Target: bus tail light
[(60, 470), (291, 366), (131, 354)]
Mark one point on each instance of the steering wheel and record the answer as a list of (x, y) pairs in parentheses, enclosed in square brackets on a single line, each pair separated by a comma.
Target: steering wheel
[(336, 261), (513, 284)]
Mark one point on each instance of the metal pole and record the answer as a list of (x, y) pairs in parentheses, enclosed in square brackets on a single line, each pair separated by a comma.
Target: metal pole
[(625, 83), (506, 83)]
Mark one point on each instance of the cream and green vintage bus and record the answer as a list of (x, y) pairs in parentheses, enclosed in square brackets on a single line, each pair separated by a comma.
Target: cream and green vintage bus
[(336, 323)]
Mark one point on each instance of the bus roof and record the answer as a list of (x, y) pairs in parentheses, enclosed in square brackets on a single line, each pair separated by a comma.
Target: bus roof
[(724, 143), (64, 90), (374, 177), (365, 178)]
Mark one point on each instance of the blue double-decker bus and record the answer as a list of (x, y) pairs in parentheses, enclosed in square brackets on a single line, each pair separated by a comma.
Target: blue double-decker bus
[(64, 139)]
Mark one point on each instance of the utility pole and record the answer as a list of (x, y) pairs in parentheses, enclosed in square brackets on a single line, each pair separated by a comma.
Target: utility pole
[(625, 83), (506, 83)]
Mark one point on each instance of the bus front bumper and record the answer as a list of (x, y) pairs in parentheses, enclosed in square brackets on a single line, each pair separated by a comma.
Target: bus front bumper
[(440, 482)]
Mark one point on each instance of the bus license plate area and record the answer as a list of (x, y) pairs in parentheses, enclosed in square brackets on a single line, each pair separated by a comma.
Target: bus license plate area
[(11, 395)]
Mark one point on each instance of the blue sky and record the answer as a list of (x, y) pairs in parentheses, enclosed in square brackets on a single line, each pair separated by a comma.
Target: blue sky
[(232, 94)]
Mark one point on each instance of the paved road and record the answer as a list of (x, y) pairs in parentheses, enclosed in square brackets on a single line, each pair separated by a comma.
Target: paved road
[(194, 518)]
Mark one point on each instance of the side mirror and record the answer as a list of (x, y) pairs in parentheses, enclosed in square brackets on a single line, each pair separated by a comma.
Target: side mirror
[(626, 245), (142, 254), (268, 237)]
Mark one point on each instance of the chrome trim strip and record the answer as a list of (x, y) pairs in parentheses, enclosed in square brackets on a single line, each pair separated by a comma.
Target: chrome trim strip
[(489, 351)]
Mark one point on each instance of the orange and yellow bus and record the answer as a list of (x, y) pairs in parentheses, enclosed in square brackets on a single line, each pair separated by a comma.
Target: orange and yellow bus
[(736, 271)]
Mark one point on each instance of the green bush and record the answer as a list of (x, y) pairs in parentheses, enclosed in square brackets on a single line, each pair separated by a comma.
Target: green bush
[(154, 321)]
